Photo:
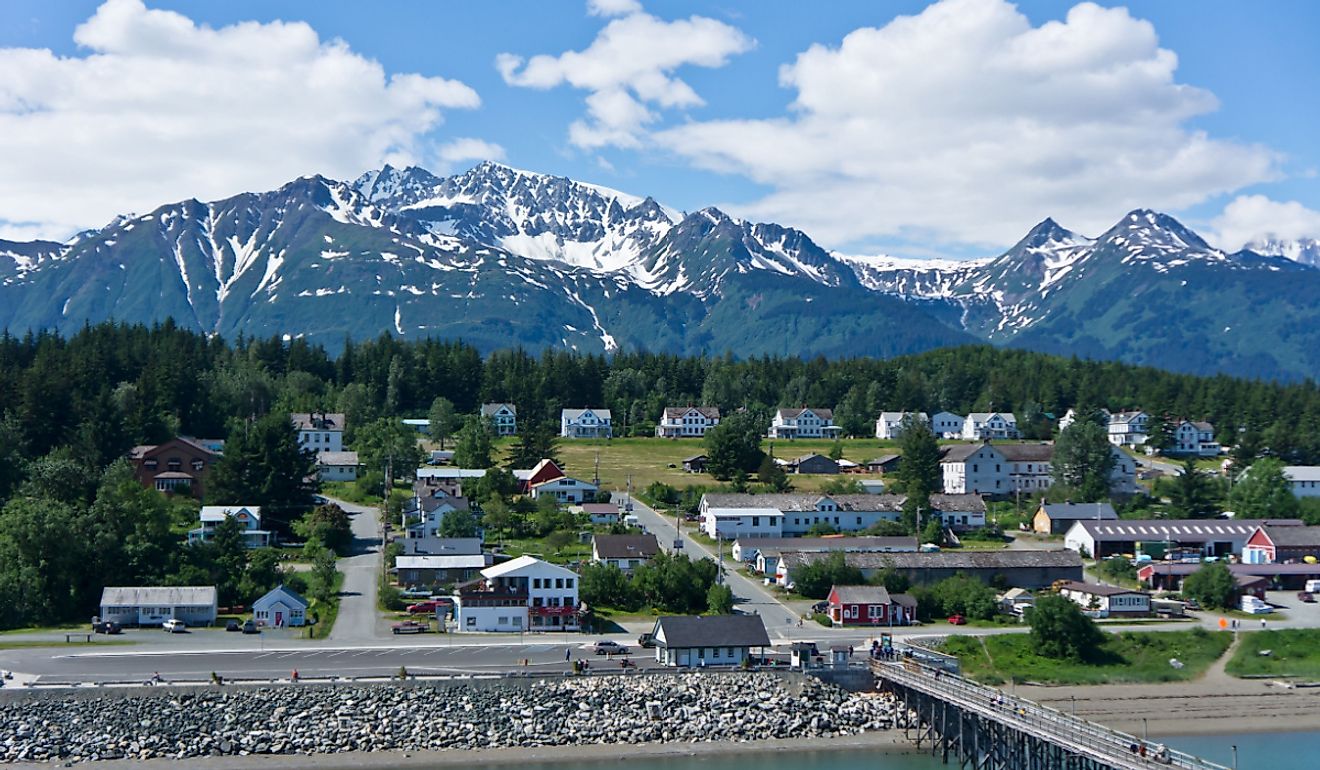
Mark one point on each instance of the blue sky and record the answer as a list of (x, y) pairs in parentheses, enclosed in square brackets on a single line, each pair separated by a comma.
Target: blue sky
[(981, 120)]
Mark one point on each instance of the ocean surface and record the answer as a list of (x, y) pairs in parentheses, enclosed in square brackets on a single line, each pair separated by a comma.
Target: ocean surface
[(1259, 751)]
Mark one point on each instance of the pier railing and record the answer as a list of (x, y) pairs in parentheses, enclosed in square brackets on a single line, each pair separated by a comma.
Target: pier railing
[(1110, 747)]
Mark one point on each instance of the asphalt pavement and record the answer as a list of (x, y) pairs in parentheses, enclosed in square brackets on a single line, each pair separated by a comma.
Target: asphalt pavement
[(358, 619)]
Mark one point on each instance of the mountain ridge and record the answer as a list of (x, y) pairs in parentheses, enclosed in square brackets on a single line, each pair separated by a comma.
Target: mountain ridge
[(507, 257)]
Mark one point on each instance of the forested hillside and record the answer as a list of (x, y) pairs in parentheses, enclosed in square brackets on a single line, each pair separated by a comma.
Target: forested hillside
[(109, 387)]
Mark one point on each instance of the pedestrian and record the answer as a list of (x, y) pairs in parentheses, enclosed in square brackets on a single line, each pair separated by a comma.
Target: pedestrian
[(294, 676), (1262, 623), (568, 654)]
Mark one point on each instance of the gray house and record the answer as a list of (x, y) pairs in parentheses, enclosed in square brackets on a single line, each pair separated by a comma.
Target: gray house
[(709, 640), (814, 463), (153, 605)]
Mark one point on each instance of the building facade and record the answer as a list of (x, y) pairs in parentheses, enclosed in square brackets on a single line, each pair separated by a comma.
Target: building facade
[(585, 423), (806, 422), (889, 425), (247, 516), (153, 605), (523, 594), (503, 418), (319, 431), (179, 465), (687, 421), (986, 426)]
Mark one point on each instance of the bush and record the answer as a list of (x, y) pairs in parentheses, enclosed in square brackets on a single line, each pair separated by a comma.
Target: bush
[(1212, 585), (1059, 629), (1117, 568), (815, 579)]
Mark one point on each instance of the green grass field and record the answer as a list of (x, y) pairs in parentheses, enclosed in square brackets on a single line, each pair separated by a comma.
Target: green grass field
[(647, 460), (1130, 657), (1294, 652), (96, 642)]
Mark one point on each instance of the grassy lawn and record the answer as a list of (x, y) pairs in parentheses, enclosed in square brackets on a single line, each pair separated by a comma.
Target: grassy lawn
[(1125, 658), (647, 460), (348, 490), (328, 613), (538, 547), (1295, 652), (83, 626)]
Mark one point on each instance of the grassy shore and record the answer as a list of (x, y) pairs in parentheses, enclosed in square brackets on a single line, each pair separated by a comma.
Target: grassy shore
[(1124, 658), (1292, 653)]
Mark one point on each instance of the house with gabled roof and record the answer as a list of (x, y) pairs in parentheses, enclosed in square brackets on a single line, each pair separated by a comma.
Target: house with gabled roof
[(707, 640), (889, 425), (280, 607), (1101, 601), (1194, 437), (984, 426), (247, 516), (804, 422), (869, 606), (687, 421), (1058, 518), (1304, 480), (521, 594), (947, 424), (1277, 545), (319, 431), (624, 551), (503, 417), (182, 463), (586, 423)]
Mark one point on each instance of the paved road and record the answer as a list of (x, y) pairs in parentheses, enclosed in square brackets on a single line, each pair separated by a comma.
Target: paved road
[(750, 596), (358, 619)]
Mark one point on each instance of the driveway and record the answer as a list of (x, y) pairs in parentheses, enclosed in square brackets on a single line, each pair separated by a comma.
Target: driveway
[(358, 619)]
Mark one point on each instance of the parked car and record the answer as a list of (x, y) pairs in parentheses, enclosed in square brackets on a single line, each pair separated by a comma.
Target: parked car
[(415, 593), (233, 625), (607, 647), (174, 626), (957, 620), (107, 627), (1306, 597), (646, 640), (250, 627), (429, 606), (820, 607), (411, 627)]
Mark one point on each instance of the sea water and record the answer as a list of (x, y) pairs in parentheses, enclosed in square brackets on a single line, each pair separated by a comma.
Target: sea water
[(1258, 751)]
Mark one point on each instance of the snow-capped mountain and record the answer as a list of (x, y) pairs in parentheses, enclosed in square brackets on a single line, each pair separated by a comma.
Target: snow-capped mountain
[(1304, 250), (502, 257), (534, 215)]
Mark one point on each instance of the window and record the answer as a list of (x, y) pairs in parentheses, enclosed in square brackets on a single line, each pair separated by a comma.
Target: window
[(536, 582), (568, 582), (559, 582), (715, 652)]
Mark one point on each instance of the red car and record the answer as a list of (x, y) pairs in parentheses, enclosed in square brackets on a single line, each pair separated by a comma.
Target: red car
[(1306, 597), (428, 607), (957, 620)]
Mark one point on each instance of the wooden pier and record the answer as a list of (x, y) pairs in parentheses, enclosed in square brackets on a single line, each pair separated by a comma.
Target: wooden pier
[(981, 728)]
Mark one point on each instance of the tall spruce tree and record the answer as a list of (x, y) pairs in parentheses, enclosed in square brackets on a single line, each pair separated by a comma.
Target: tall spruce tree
[(1084, 460), (264, 465)]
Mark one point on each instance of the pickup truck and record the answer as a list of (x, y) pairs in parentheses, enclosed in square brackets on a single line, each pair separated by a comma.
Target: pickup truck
[(411, 627)]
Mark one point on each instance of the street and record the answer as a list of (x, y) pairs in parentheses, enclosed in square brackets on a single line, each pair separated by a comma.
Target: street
[(358, 619)]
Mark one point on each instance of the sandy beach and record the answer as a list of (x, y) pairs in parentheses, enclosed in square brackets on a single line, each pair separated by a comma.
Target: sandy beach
[(887, 742)]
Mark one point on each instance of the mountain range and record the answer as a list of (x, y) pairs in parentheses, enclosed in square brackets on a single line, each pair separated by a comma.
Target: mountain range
[(502, 257)]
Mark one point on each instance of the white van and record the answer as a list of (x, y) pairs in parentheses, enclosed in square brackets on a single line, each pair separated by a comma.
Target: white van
[(1313, 586), (632, 521)]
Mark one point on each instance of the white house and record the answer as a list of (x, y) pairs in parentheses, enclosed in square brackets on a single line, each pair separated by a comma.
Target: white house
[(1006, 469), (890, 424), (430, 511), (279, 608), (989, 425), (735, 523), (707, 640), (523, 594), (1305, 480), (1194, 438), (1101, 601), (337, 466), (687, 421), (152, 605), (247, 516), (565, 489), (1128, 429), (585, 423), (947, 424), (806, 422), (504, 417), (319, 431)]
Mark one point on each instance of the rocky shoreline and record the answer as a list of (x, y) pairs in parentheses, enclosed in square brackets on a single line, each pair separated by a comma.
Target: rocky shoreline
[(432, 716)]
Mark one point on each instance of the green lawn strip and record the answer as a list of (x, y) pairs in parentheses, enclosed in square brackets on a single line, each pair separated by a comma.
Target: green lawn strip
[(647, 460), (63, 628), (328, 613), (1129, 657), (24, 645), (348, 491), (1294, 652)]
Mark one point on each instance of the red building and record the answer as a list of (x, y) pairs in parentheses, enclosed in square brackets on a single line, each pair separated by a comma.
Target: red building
[(177, 465), (870, 606), (544, 471), (1281, 545)]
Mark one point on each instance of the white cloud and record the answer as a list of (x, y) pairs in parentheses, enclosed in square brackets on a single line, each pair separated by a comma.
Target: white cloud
[(613, 7), (629, 66), (467, 149), (160, 109), (1257, 218), (966, 124)]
